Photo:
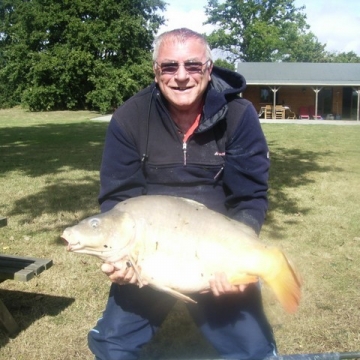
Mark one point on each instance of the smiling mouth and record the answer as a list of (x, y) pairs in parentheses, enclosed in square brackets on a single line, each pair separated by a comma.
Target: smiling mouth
[(181, 88)]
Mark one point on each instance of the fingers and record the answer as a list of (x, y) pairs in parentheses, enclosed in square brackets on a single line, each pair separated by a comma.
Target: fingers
[(120, 273), (220, 285), (242, 287)]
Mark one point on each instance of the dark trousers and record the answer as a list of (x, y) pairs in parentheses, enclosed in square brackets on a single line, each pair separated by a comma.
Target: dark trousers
[(235, 324)]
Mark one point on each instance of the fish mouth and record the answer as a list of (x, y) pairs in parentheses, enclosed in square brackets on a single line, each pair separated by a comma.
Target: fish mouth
[(69, 246), (80, 249), (71, 243)]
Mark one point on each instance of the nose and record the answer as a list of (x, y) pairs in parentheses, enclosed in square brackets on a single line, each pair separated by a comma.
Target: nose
[(181, 73)]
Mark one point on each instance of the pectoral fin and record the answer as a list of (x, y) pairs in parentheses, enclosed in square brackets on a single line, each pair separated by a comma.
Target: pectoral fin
[(173, 293)]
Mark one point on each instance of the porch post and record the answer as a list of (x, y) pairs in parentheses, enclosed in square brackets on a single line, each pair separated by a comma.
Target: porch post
[(358, 103), (316, 90), (274, 90)]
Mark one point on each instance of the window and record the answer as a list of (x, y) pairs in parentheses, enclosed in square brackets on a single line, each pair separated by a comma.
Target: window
[(266, 95)]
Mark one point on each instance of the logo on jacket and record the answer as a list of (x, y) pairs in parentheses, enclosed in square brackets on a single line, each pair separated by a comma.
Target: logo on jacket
[(219, 153)]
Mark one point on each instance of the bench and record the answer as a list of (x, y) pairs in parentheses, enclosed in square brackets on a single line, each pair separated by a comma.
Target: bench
[(3, 221), (19, 268)]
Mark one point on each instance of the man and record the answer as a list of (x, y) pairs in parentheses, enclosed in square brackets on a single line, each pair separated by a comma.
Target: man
[(189, 134)]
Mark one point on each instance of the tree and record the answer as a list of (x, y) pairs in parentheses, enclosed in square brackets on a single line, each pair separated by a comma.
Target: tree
[(75, 54), (304, 48), (342, 57), (224, 64), (262, 30)]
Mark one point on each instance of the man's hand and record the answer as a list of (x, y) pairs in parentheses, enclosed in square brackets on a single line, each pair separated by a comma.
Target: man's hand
[(220, 285), (120, 272)]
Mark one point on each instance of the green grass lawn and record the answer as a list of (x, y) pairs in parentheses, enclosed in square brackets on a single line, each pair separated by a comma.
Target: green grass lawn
[(49, 179)]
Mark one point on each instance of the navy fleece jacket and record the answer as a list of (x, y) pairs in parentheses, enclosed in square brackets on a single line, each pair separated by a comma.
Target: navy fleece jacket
[(227, 161)]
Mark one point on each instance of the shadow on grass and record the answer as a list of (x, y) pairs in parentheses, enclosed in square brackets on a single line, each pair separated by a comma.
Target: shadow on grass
[(26, 308), (178, 338), (57, 199), (49, 150), (290, 169)]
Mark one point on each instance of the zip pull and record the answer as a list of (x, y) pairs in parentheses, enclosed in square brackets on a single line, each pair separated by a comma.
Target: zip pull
[(184, 152), (219, 172)]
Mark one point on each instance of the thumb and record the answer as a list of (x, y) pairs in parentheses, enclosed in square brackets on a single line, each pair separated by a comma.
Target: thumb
[(107, 268)]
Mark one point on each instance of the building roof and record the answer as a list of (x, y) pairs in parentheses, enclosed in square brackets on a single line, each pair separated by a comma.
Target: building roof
[(292, 73)]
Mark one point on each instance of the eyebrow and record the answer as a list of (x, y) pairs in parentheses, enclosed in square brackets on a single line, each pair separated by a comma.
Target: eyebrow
[(176, 61)]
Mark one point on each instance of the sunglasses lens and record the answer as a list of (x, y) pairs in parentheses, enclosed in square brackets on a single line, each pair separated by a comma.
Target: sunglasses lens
[(193, 67), (169, 68)]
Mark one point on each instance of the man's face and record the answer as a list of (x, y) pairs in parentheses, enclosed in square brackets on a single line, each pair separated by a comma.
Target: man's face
[(183, 90)]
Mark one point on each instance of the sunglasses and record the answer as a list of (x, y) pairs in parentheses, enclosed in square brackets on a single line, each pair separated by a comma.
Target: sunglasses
[(171, 68)]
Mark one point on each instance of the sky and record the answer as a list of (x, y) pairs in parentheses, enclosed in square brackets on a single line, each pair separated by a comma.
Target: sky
[(335, 23)]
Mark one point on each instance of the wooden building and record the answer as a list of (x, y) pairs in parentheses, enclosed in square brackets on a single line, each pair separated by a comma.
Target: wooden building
[(303, 90)]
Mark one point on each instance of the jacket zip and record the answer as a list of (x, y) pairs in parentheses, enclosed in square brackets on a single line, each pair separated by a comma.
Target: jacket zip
[(184, 151), (188, 134)]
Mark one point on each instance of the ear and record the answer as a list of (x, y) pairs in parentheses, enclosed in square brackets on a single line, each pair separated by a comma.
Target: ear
[(210, 68), (156, 73)]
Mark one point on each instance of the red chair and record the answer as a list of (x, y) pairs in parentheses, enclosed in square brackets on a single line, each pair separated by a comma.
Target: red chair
[(312, 113), (304, 113)]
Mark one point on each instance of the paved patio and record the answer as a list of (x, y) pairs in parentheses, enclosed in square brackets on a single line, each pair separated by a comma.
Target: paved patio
[(286, 121), (310, 122)]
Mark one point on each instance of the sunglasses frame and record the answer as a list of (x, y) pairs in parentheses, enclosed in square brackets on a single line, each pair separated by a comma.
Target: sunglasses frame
[(185, 64)]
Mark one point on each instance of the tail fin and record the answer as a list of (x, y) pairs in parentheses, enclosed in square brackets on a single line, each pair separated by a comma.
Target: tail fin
[(284, 281)]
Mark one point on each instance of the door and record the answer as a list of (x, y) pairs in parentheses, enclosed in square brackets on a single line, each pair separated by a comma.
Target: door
[(325, 102)]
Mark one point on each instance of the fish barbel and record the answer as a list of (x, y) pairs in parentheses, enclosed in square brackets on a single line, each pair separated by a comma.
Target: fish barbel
[(176, 245)]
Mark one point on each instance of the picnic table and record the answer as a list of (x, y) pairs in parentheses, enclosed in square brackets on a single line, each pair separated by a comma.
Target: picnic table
[(19, 268)]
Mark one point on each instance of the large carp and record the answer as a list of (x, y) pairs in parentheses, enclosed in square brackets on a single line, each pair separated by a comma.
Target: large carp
[(176, 245)]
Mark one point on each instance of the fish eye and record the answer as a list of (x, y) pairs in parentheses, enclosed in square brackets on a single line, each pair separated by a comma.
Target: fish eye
[(94, 223)]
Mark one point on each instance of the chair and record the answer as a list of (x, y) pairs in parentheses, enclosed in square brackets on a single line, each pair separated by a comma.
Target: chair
[(290, 114), (268, 112), (279, 112), (304, 113), (312, 113), (261, 111)]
